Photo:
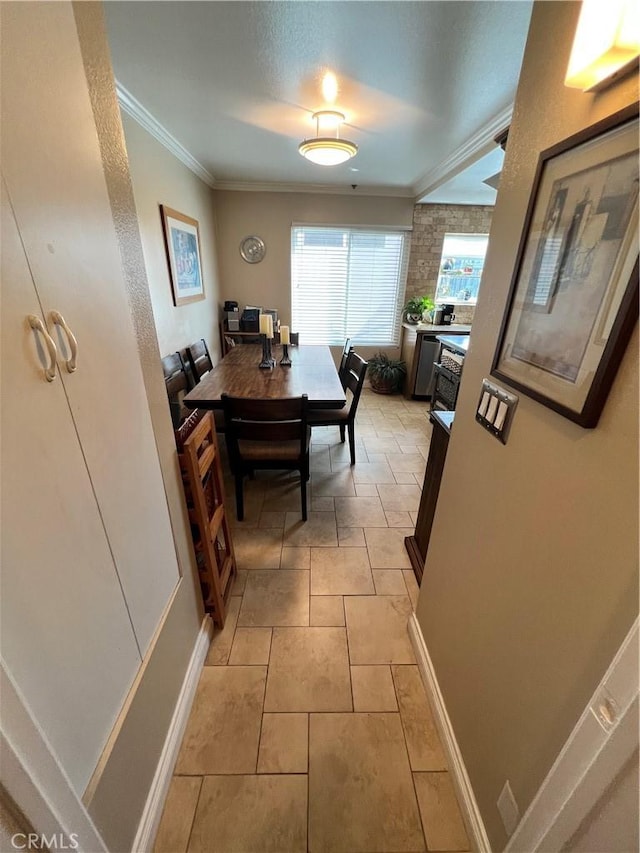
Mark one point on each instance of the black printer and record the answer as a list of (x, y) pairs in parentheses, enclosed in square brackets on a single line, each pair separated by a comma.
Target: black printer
[(250, 320)]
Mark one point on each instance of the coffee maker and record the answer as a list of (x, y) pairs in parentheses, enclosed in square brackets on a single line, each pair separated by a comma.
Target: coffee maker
[(447, 314)]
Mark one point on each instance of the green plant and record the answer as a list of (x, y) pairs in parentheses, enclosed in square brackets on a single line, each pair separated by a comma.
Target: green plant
[(417, 305), (386, 374)]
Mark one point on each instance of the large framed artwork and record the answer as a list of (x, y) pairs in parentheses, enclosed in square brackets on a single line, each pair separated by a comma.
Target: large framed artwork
[(182, 242), (573, 301)]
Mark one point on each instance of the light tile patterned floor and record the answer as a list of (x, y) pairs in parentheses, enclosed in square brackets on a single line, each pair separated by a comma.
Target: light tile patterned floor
[(310, 729)]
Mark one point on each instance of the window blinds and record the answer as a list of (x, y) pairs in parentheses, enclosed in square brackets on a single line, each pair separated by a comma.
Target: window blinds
[(347, 283)]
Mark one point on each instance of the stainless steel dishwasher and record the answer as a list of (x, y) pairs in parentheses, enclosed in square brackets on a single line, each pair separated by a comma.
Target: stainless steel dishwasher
[(429, 348)]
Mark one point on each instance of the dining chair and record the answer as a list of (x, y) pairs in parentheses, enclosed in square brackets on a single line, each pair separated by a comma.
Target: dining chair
[(345, 418), (342, 370), (267, 434), (199, 359), (177, 383), (200, 363)]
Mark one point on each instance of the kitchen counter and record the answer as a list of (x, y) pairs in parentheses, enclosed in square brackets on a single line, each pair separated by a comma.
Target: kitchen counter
[(419, 350), (452, 328), (457, 343)]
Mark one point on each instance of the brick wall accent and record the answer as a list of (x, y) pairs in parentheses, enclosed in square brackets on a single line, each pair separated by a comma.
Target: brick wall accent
[(430, 223)]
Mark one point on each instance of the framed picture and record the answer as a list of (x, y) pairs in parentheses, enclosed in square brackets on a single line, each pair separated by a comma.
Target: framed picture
[(573, 301), (182, 242)]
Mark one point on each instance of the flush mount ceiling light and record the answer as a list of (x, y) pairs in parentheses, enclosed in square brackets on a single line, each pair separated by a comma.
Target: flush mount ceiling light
[(328, 150)]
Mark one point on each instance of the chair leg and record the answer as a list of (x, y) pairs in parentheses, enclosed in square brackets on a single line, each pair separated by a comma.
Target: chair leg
[(304, 476), (239, 497), (352, 442), (342, 433)]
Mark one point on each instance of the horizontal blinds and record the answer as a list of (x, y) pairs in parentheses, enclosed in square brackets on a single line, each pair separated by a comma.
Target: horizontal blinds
[(347, 283)]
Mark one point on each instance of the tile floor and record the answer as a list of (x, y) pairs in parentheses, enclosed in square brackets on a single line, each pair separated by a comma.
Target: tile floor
[(310, 728)]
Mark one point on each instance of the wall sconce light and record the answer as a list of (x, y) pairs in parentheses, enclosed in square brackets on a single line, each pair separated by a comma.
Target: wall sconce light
[(607, 41)]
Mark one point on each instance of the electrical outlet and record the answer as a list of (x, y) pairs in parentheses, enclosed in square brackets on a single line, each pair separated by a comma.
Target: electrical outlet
[(508, 808)]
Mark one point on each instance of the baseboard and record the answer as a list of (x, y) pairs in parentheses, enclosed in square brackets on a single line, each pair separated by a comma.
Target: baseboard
[(152, 813), (470, 811)]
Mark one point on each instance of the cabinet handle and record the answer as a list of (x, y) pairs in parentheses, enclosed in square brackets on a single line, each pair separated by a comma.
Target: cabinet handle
[(38, 326), (58, 320)]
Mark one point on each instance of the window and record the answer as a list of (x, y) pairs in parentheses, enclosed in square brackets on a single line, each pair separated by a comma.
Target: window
[(461, 268), (347, 283)]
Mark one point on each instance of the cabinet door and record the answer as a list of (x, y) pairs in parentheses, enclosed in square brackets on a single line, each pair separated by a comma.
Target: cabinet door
[(54, 172), (66, 634)]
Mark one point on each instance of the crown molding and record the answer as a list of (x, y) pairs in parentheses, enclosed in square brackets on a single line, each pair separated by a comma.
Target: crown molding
[(332, 189), (134, 108), (475, 147)]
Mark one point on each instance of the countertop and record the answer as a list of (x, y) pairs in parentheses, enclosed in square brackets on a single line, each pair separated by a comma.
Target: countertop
[(451, 329), (443, 419), (457, 343)]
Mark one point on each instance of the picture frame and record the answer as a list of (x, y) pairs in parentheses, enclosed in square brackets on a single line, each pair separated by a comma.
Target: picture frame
[(182, 245), (573, 300)]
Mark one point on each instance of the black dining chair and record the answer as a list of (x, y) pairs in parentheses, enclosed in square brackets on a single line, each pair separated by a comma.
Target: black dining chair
[(267, 434), (177, 384), (344, 358), (345, 418)]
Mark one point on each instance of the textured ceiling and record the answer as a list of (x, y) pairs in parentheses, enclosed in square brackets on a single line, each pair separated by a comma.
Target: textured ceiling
[(236, 82)]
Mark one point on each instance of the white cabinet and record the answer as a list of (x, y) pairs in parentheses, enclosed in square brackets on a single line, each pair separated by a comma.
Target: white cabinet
[(88, 559)]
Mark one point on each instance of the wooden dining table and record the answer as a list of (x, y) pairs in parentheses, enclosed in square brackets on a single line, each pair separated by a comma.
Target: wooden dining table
[(312, 372)]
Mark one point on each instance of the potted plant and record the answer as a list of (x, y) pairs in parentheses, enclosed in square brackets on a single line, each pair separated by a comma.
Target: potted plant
[(386, 374), (416, 308)]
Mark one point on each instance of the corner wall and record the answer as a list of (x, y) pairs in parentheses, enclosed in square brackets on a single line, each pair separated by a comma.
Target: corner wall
[(531, 579), (117, 795)]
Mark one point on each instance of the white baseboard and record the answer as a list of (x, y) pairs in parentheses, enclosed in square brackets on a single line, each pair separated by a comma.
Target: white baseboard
[(150, 820), (470, 811)]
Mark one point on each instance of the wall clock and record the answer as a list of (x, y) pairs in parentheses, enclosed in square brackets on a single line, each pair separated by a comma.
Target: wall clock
[(253, 249)]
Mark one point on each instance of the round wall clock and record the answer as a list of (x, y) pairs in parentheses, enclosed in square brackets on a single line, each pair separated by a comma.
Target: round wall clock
[(253, 249)]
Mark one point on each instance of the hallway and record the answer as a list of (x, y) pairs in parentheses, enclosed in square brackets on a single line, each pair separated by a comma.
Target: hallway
[(310, 729)]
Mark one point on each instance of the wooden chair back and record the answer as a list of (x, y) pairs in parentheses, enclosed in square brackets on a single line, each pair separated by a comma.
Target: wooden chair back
[(355, 373), (199, 359), (344, 358), (177, 384), (265, 420)]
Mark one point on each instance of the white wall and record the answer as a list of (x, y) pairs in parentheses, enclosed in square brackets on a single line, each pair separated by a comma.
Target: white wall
[(531, 579)]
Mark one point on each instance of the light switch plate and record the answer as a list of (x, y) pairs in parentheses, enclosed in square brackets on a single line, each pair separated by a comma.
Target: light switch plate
[(495, 409)]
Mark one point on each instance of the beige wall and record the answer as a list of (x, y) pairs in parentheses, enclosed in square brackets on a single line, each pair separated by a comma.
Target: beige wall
[(531, 580), (270, 216), (118, 793), (612, 824), (159, 178), (430, 224)]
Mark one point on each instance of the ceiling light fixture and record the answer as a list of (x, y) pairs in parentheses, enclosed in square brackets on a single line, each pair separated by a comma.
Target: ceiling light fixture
[(328, 150)]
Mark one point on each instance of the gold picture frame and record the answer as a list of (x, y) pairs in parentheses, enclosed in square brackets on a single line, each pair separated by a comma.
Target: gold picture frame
[(182, 245)]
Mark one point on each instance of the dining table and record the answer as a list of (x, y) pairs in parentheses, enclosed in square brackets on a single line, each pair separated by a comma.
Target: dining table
[(312, 372)]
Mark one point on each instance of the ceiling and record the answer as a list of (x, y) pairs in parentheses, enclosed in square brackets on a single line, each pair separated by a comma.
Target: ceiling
[(231, 86)]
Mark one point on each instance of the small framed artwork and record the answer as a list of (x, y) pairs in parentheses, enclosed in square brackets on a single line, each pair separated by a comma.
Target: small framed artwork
[(573, 302), (182, 242)]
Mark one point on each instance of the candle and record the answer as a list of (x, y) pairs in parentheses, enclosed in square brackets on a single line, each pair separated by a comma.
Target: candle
[(270, 329), (284, 334), (264, 324)]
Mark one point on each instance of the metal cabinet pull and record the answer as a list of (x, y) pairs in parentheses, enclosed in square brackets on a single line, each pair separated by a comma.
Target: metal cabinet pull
[(38, 326), (58, 320)]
